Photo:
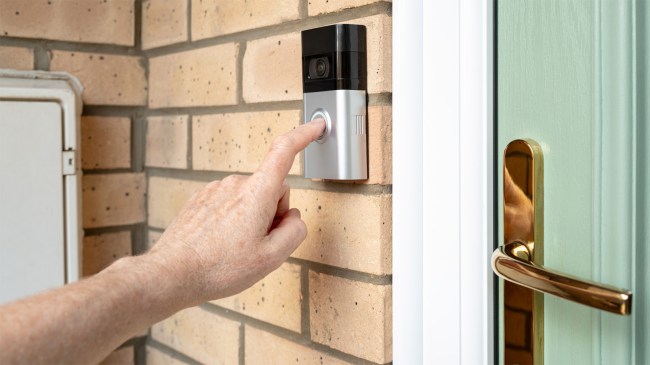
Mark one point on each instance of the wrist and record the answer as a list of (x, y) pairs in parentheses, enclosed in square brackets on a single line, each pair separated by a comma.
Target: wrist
[(156, 285)]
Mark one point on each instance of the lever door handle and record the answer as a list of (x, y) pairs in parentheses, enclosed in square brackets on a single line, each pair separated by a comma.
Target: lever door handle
[(520, 260), (512, 262)]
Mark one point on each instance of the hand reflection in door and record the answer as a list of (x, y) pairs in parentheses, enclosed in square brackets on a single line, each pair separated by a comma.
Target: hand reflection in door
[(518, 212)]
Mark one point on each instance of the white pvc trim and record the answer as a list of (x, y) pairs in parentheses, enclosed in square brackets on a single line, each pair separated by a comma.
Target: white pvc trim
[(407, 182), (476, 146), (442, 113), (442, 181)]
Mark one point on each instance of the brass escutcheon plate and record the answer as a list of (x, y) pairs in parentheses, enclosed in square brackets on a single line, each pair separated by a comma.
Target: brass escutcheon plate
[(523, 214)]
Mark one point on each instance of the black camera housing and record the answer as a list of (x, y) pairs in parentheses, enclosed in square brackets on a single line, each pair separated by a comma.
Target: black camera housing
[(334, 58)]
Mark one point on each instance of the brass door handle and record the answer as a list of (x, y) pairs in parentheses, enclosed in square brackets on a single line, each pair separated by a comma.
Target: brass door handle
[(520, 260), (512, 262)]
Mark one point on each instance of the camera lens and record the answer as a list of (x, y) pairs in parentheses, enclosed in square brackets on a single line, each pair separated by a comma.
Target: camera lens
[(319, 68)]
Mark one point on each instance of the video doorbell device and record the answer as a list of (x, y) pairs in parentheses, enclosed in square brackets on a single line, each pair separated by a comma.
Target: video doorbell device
[(334, 88)]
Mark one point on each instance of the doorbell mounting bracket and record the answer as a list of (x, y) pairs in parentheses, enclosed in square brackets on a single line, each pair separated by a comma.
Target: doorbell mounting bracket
[(334, 88)]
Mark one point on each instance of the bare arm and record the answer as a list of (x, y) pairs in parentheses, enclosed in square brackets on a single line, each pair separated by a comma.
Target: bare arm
[(227, 237)]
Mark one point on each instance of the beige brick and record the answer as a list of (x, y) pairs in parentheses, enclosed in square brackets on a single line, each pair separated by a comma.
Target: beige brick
[(157, 357), (152, 238), (123, 356), (274, 299), (105, 142), (167, 141), (316, 7), (107, 79), (200, 77), (272, 69), (212, 18), (238, 142), (272, 66), (16, 58), (265, 348), (167, 197), (379, 40), (109, 22), (351, 316), (201, 335), (380, 142), (113, 200), (102, 250), (351, 231), (163, 22)]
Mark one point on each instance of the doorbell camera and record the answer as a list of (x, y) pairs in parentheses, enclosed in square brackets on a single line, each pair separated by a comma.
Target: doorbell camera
[(334, 88)]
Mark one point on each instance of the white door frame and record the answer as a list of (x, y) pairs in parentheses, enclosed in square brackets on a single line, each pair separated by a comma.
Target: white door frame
[(442, 182)]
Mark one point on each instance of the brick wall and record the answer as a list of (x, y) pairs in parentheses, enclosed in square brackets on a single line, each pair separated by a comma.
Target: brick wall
[(181, 92)]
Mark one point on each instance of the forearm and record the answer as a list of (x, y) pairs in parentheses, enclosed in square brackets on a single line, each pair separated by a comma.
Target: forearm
[(228, 236), (84, 321)]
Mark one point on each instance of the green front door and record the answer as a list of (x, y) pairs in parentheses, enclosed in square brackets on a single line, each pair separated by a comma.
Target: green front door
[(573, 76)]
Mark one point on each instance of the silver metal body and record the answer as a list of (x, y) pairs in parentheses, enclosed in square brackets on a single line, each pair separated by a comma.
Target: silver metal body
[(342, 152)]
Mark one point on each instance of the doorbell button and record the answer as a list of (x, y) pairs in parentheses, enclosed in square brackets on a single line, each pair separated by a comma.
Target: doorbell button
[(323, 114)]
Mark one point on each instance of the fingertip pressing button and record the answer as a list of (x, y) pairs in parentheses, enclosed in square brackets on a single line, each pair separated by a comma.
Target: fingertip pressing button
[(320, 113)]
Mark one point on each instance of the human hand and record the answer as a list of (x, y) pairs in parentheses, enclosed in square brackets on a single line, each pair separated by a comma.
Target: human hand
[(235, 231), (228, 236)]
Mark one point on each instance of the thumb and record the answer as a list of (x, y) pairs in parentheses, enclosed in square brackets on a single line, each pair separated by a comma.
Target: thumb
[(287, 235)]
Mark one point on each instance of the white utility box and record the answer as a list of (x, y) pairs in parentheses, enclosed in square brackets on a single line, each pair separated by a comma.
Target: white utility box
[(40, 210)]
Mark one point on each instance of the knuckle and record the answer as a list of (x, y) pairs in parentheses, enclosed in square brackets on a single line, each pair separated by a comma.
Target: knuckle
[(213, 185), (278, 144), (302, 230), (282, 143), (232, 180)]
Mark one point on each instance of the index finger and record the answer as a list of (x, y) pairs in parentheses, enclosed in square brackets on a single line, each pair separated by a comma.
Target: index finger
[(278, 160)]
